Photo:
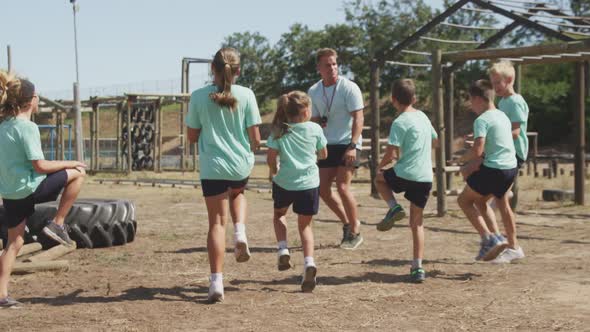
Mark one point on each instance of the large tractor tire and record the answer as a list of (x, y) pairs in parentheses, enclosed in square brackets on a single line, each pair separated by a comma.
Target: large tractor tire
[(92, 223)]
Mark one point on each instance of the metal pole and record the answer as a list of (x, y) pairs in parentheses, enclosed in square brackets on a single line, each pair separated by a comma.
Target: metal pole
[(9, 57), (77, 102)]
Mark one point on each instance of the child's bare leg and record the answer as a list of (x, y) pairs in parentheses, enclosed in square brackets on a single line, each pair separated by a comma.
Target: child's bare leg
[(8, 257), (306, 234), (417, 226), (384, 191), (280, 224), (466, 201), (217, 211), (488, 215), (508, 220), (70, 194)]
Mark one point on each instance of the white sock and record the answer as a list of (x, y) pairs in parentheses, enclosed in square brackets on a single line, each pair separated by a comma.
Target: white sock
[(308, 261), (392, 203), (416, 263), (486, 237), (217, 277), (240, 228), (283, 245)]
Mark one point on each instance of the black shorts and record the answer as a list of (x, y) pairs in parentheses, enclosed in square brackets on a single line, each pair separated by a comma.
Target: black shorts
[(491, 181), (336, 156), (415, 192), (216, 187), (519, 162), (305, 202), (16, 210)]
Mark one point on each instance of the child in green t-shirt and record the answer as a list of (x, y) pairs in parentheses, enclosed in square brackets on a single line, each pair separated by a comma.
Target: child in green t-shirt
[(410, 145), (494, 177), (26, 178), (298, 143)]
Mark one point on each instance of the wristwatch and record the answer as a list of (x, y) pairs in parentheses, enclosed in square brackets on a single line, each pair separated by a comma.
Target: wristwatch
[(351, 146)]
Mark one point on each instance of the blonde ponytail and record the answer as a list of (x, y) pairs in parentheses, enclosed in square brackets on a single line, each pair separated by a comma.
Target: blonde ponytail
[(226, 64), (289, 106), (15, 94)]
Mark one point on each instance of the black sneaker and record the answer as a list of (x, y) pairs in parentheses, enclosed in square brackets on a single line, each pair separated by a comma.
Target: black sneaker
[(58, 233), (417, 275)]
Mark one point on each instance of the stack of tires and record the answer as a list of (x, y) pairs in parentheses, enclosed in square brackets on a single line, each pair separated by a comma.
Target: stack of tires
[(92, 223)]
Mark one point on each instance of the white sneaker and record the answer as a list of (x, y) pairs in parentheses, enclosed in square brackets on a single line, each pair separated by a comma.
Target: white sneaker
[(508, 255), (215, 292), (284, 259), (241, 251), (309, 282)]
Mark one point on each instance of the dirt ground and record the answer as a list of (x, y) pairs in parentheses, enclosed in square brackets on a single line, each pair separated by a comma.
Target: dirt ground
[(159, 282)]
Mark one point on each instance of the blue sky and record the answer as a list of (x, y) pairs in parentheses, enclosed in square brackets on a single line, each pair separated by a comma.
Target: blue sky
[(126, 41)]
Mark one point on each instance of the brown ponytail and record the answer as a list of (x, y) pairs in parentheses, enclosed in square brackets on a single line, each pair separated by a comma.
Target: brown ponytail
[(226, 64), (289, 107), (15, 94)]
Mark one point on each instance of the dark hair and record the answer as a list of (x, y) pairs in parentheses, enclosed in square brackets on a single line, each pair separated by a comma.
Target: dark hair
[(289, 106), (15, 94), (482, 89), (226, 64), (403, 90), (322, 52)]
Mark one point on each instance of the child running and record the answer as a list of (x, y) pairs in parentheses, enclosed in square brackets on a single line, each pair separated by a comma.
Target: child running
[(492, 142), (224, 118), (411, 136), (298, 143), (26, 179)]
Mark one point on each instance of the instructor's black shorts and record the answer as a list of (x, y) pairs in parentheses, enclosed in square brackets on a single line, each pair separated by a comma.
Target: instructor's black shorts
[(415, 192), (305, 202), (17, 210), (336, 156), (216, 187), (491, 181)]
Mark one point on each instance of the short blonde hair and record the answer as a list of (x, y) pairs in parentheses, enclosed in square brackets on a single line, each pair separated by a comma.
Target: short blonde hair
[(322, 52), (503, 68)]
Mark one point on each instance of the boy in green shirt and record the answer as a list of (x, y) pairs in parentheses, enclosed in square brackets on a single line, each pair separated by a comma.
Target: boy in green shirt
[(412, 137), (494, 177)]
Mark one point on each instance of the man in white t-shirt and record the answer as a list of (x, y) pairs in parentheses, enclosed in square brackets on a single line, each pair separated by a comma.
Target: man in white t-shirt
[(337, 105)]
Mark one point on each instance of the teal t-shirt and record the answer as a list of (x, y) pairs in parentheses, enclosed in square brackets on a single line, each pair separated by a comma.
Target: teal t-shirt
[(20, 143), (297, 153), (347, 98), (517, 111), (495, 127), (413, 133), (224, 144)]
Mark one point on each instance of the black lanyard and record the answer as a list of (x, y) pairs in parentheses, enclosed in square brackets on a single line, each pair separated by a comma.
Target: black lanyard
[(329, 106)]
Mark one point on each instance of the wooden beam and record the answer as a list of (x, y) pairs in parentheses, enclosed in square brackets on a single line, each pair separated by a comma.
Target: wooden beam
[(523, 20), (438, 109), (375, 123), (20, 268), (580, 131), (54, 104), (424, 29), (29, 249), (51, 254), (496, 53), (547, 61)]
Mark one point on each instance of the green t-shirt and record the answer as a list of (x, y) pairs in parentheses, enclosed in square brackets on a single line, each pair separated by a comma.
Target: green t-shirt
[(517, 111), (224, 144), (495, 127), (20, 143), (413, 133), (297, 153)]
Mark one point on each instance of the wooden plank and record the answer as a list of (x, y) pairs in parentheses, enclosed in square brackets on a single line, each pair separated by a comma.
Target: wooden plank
[(438, 109), (496, 53), (29, 249), (20, 268), (449, 102), (51, 254)]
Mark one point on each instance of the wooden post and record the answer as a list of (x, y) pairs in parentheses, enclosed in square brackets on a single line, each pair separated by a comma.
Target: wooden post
[(183, 111), (449, 86), (92, 133), (96, 147), (375, 124), (129, 138), (119, 129), (9, 58), (518, 78), (579, 120), (535, 153), (61, 155), (158, 136), (437, 108)]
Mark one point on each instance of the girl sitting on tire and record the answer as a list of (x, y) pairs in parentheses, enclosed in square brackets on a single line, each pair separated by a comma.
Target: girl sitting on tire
[(26, 178)]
